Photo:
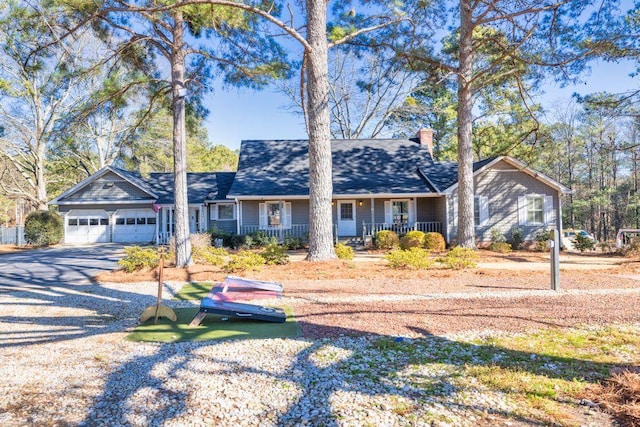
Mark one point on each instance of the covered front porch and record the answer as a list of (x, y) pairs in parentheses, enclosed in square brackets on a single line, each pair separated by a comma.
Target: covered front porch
[(351, 217)]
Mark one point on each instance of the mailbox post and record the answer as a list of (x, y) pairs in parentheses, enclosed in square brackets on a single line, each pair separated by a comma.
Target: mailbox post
[(554, 246)]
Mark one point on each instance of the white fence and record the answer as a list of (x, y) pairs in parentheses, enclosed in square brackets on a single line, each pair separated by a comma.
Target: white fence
[(11, 235)]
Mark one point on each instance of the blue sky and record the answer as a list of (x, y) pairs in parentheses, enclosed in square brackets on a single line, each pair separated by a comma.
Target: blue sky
[(238, 114)]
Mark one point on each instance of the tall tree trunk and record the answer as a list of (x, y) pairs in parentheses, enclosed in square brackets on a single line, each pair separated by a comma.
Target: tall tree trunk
[(466, 229), (183, 243), (320, 183), (41, 183)]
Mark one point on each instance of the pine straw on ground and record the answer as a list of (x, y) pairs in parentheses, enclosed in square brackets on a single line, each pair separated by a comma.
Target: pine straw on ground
[(619, 396)]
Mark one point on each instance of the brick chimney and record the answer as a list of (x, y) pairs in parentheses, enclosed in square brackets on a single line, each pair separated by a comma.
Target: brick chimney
[(425, 136)]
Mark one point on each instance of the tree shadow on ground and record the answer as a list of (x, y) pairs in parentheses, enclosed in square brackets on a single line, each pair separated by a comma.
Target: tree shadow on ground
[(409, 380)]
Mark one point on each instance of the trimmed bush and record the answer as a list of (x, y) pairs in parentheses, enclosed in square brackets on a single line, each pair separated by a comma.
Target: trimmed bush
[(43, 228), (244, 260), (434, 242), (387, 239), (459, 258), (294, 243), (258, 239), (541, 240), (208, 255), (497, 236), (138, 258), (343, 251), (275, 255), (413, 239), (517, 237), (410, 259), (500, 247), (583, 243)]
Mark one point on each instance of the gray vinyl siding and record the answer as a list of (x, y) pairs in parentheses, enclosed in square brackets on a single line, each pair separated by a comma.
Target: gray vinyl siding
[(110, 208), (430, 209), (99, 190), (251, 211), (228, 226), (503, 185)]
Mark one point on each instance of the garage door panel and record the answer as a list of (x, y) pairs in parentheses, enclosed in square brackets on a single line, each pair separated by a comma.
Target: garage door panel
[(87, 226), (134, 226)]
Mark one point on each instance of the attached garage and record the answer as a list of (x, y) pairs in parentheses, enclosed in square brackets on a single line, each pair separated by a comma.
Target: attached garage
[(87, 226), (134, 226)]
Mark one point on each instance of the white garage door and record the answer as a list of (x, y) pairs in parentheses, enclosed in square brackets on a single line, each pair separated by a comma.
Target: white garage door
[(87, 226), (134, 226)]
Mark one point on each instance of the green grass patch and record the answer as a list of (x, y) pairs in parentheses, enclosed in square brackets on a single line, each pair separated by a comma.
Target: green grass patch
[(194, 291), (213, 328)]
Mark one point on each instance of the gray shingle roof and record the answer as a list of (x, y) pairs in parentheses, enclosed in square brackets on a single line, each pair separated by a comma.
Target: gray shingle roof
[(200, 186), (376, 166)]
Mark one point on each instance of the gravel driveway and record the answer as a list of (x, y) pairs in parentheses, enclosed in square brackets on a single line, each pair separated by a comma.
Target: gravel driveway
[(66, 362)]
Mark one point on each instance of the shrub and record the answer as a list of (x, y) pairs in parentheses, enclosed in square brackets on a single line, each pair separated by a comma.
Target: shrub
[(217, 234), (434, 242), (235, 241), (43, 228), (582, 243), (209, 255), (200, 240), (500, 247), (243, 260), (138, 258), (387, 239), (343, 251), (259, 239), (497, 236), (275, 255), (413, 239), (517, 237), (459, 258), (411, 259), (293, 243), (541, 240)]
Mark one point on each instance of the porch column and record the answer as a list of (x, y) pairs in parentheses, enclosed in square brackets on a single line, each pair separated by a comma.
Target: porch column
[(157, 226), (170, 226), (239, 216), (373, 212)]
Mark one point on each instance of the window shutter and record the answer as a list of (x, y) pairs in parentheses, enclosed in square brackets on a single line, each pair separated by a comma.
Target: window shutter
[(262, 215), (287, 214), (387, 212), (522, 210), (213, 212), (484, 210), (455, 210), (412, 211), (548, 210)]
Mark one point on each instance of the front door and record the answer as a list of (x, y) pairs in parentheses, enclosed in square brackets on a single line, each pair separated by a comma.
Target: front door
[(346, 218)]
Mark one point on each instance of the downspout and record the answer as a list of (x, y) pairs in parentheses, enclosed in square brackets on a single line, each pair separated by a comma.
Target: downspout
[(238, 215), (559, 220), (446, 218)]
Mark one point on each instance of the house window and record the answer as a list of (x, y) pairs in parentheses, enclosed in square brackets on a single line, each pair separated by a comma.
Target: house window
[(225, 212), (273, 214), (480, 211), (346, 211), (535, 209), (400, 211), (476, 211)]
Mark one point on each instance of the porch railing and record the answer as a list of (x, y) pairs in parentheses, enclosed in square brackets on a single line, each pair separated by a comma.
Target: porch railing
[(371, 229), (281, 232)]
